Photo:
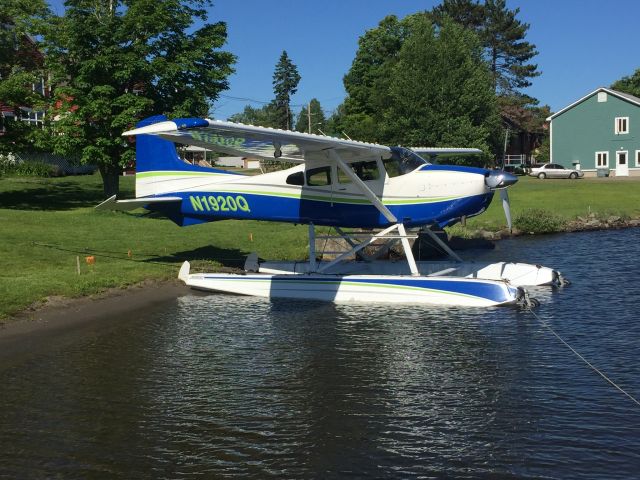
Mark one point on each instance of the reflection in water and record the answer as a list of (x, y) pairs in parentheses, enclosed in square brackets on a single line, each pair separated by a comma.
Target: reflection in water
[(219, 385)]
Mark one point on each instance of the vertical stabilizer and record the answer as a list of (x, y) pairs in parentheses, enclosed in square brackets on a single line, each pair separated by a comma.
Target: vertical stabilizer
[(158, 165)]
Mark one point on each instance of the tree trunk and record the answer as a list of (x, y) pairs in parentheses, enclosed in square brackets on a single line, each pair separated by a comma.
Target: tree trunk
[(110, 180)]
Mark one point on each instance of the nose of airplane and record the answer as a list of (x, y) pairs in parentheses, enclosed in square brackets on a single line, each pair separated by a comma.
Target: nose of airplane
[(499, 179)]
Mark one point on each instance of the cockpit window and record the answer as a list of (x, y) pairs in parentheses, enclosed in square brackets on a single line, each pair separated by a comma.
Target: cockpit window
[(364, 170), (402, 161)]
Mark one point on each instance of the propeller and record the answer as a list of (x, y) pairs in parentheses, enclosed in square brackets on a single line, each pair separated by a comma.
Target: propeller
[(505, 205), (501, 180)]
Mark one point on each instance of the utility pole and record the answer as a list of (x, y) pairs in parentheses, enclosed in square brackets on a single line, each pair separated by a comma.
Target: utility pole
[(309, 115)]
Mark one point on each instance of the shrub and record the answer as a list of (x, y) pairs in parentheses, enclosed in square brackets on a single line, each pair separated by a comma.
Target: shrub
[(539, 221), (9, 165), (33, 169)]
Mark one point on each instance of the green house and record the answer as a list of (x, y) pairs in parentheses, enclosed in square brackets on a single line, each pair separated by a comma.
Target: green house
[(599, 134)]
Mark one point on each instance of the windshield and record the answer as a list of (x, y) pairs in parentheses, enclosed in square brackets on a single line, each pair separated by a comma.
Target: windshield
[(402, 161)]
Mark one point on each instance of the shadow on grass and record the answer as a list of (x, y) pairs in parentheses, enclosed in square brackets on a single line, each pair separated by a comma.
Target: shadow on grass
[(51, 196), (230, 258)]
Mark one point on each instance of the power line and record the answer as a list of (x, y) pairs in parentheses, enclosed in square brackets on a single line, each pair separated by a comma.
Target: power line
[(262, 102)]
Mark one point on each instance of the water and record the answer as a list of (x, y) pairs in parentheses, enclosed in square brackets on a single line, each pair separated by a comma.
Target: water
[(223, 386)]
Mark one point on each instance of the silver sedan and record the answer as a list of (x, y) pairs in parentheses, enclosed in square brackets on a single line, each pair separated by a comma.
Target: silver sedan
[(553, 170)]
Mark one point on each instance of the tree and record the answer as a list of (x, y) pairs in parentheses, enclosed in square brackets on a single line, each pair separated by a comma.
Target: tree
[(509, 53), (266, 116), (502, 36), (116, 61), (447, 98), (21, 67), (414, 83), (630, 84), (468, 13), (311, 118), (285, 84), (367, 82)]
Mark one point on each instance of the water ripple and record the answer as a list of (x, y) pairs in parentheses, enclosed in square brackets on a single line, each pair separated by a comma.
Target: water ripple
[(223, 386)]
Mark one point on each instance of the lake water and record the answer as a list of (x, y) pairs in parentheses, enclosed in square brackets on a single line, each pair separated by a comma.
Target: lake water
[(212, 386)]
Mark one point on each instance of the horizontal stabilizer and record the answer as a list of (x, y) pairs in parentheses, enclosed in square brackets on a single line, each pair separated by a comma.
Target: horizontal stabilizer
[(125, 205)]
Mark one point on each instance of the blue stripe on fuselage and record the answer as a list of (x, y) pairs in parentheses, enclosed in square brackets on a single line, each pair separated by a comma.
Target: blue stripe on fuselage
[(199, 207)]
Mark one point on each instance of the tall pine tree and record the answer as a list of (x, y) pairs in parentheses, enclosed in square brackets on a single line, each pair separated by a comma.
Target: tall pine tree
[(285, 84), (503, 38)]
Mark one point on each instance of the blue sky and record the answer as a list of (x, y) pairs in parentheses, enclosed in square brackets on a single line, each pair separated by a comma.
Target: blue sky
[(582, 44)]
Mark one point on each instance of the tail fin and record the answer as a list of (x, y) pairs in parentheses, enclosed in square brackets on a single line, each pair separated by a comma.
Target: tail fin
[(154, 153), (156, 158)]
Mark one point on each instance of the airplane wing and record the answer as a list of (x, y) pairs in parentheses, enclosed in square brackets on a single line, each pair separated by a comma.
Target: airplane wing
[(432, 151), (259, 142)]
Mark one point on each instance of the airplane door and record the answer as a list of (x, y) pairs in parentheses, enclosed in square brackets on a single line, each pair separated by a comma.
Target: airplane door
[(622, 164)]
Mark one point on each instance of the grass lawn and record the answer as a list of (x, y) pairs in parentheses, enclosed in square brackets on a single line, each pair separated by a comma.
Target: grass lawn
[(566, 198), (48, 223)]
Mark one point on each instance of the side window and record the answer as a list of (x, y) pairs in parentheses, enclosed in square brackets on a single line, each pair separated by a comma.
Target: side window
[(319, 177), (296, 179), (366, 170)]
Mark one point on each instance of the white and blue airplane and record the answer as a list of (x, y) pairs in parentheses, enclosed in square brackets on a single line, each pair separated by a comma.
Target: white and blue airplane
[(337, 183)]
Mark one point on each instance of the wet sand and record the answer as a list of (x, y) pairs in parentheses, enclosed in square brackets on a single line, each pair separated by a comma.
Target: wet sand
[(61, 319)]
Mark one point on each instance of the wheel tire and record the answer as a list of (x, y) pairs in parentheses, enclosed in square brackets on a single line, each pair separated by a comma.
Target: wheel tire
[(542, 176), (573, 175)]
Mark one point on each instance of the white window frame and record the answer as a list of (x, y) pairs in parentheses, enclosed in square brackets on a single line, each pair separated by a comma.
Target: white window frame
[(606, 158), (637, 158), (618, 130)]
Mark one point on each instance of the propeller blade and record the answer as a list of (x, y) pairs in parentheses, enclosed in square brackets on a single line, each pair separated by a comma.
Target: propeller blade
[(507, 207)]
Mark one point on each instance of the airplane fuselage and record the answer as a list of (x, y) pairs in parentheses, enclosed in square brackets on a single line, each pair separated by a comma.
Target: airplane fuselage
[(320, 194)]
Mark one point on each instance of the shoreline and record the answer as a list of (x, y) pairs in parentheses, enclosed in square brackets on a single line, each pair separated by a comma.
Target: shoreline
[(62, 317), (57, 317), (588, 223)]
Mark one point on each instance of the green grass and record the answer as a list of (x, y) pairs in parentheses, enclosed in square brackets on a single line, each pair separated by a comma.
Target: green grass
[(47, 223), (567, 199)]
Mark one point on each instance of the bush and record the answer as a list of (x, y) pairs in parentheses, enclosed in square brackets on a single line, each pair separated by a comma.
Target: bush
[(9, 165), (539, 221), (33, 169)]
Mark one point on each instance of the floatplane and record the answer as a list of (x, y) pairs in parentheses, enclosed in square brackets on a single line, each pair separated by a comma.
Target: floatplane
[(389, 193)]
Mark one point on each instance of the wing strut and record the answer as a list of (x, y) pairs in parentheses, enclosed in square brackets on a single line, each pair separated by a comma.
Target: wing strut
[(363, 186), (382, 208)]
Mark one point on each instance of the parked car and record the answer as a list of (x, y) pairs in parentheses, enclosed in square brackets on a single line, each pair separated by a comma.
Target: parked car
[(553, 170), (516, 169)]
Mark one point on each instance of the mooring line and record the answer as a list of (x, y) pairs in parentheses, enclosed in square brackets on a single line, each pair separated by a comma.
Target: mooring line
[(548, 327)]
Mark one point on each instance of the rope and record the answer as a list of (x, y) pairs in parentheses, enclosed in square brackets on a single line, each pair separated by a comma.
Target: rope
[(548, 327)]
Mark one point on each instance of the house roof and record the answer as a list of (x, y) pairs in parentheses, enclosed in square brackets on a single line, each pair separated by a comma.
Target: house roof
[(624, 96)]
